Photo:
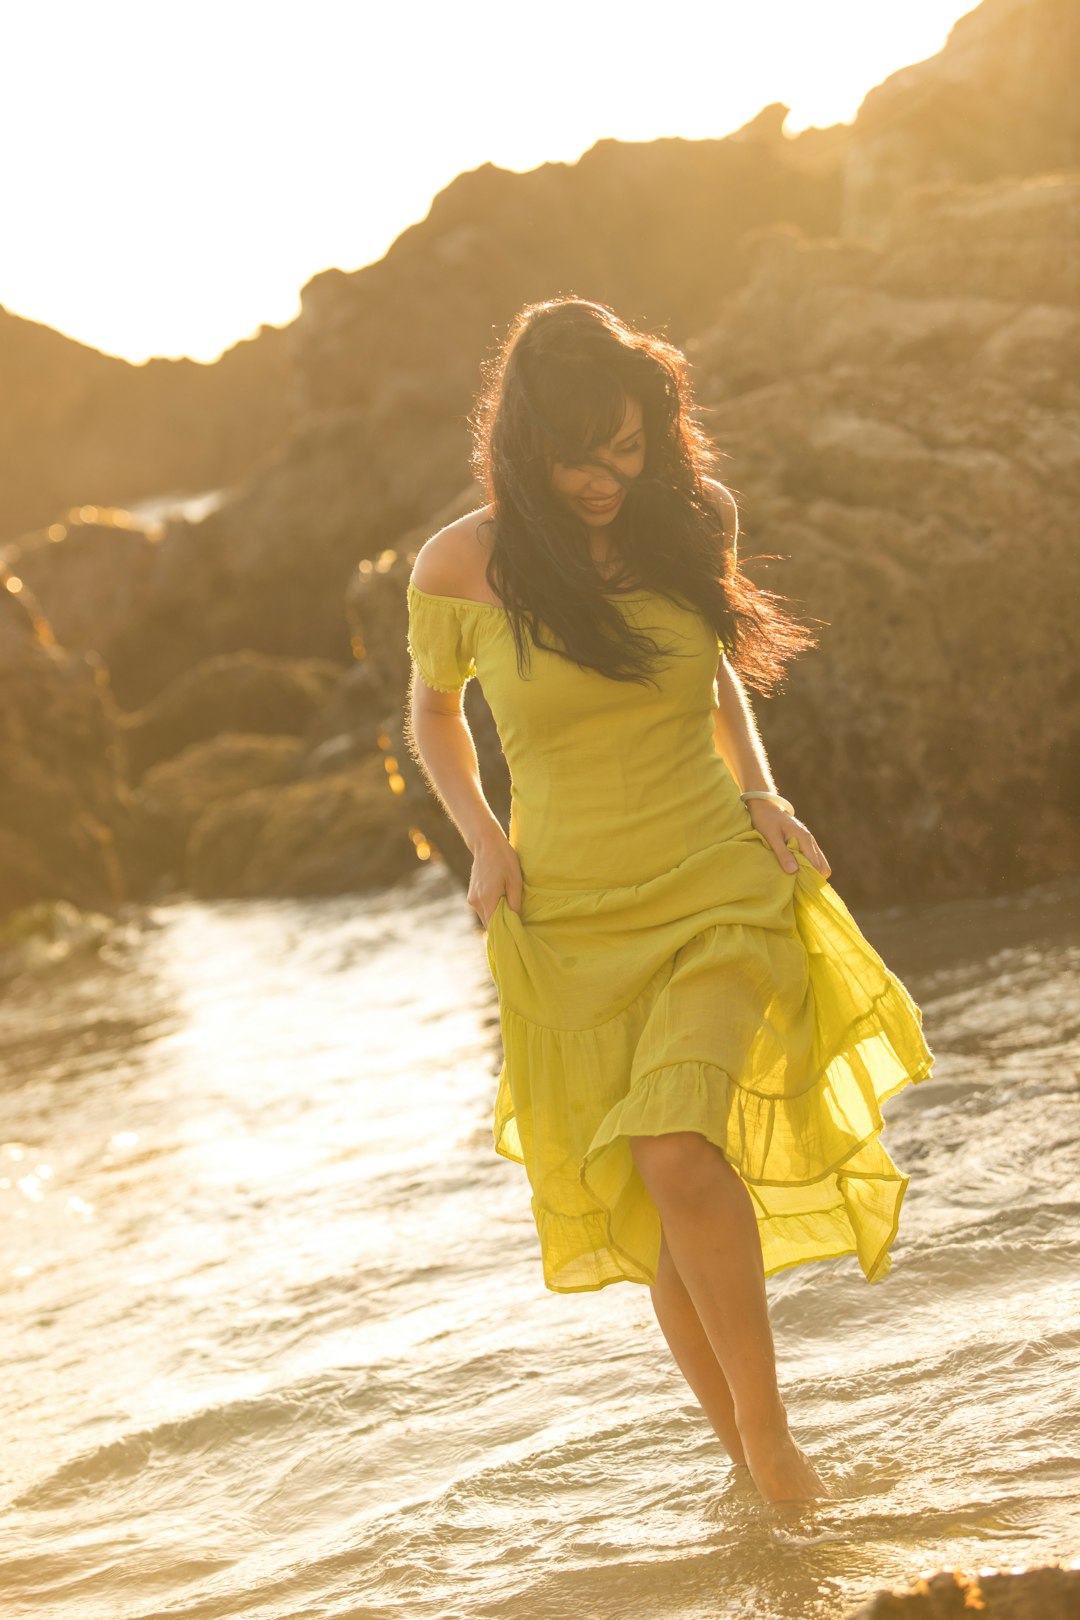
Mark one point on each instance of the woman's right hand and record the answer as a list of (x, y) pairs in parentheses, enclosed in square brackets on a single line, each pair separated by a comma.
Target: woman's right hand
[(496, 872)]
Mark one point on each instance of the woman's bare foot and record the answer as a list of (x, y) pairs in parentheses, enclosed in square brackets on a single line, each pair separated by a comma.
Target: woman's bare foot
[(780, 1469)]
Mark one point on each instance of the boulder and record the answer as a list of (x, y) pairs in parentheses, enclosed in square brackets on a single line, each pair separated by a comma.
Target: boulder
[(244, 692), (915, 465), (68, 828), (325, 835), (205, 773), (1046, 1593), (99, 573)]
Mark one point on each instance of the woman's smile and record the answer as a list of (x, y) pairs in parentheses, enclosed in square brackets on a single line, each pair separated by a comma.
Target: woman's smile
[(598, 508)]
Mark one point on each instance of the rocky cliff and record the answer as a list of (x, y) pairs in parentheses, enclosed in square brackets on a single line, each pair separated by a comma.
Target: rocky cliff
[(80, 428), (997, 102), (905, 422), (894, 387)]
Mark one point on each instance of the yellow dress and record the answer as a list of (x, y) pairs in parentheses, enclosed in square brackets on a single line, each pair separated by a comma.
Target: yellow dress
[(664, 972)]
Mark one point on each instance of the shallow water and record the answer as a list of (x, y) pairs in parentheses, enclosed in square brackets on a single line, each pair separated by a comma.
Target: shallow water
[(275, 1341)]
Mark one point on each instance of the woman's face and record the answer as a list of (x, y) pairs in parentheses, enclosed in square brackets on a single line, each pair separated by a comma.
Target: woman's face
[(591, 491)]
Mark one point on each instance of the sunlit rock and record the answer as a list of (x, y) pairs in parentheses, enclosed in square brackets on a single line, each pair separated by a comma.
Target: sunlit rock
[(79, 426), (1047, 1593), (325, 835), (236, 692), (65, 811)]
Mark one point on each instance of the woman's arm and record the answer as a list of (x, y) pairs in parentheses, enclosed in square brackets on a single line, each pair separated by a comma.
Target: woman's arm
[(738, 742), (736, 735), (734, 728), (446, 753), (440, 739)]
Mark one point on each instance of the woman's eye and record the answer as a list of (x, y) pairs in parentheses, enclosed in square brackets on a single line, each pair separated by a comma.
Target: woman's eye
[(632, 449)]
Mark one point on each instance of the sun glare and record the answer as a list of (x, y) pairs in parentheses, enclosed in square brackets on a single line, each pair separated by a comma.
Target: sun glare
[(171, 185)]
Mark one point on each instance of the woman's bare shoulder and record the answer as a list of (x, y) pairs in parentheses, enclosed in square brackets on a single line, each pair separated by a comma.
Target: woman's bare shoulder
[(453, 560)]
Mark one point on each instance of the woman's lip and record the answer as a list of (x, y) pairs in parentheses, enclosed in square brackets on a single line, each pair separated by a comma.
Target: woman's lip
[(598, 506)]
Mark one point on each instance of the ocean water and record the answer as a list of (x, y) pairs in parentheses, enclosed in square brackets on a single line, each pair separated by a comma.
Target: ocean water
[(275, 1341)]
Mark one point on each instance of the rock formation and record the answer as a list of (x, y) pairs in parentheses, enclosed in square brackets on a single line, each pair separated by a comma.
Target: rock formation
[(67, 826), (1047, 1593), (237, 692), (883, 325), (331, 834), (386, 360), (998, 101), (78, 427), (904, 421)]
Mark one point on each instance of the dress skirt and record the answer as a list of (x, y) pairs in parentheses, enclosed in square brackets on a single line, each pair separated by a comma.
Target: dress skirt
[(725, 997), (664, 972)]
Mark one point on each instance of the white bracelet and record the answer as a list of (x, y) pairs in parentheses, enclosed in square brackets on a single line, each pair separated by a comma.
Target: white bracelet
[(774, 798)]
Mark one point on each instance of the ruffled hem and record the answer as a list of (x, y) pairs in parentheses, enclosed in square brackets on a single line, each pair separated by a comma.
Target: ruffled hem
[(843, 1199), (796, 1110)]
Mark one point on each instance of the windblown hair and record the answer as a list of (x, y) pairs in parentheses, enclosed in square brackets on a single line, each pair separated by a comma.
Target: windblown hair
[(557, 389)]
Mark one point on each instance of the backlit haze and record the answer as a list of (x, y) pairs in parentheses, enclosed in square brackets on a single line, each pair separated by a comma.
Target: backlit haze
[(175, 175)]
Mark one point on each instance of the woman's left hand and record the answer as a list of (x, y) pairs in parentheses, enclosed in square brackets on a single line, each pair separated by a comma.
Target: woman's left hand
[(776, 827)]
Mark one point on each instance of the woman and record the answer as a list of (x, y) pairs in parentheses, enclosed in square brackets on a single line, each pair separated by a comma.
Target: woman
[(696, 1036)]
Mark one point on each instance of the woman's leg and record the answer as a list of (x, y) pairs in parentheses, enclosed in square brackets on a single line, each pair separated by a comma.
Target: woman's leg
[(712, 1235), (694, 1355)]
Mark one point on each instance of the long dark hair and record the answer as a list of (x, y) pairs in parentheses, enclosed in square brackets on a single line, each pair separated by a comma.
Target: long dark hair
[(558, 388)]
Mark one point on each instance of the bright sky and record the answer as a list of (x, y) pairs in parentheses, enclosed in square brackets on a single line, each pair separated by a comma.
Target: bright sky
[(173, 174)]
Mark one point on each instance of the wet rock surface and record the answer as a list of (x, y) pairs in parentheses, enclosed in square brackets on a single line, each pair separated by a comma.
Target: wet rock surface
[(1050, 1593)]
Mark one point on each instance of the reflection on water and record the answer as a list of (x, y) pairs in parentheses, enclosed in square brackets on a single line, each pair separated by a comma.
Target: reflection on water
[(275, 1339)]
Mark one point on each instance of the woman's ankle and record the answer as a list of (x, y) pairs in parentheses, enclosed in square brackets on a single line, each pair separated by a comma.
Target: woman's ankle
[(762, 1424)]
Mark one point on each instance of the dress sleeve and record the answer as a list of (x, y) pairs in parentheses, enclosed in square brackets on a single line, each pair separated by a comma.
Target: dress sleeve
[(441, 639)]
